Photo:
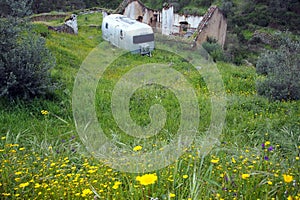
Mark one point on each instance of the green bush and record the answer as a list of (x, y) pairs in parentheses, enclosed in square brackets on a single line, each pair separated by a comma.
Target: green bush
[(24, 61), (214, 49), (281, 72)]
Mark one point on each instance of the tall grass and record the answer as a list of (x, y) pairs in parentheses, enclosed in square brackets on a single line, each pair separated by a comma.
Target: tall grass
[(42, 157)]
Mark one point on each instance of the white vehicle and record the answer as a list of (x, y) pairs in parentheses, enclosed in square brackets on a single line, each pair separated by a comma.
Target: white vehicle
[(128, 34)]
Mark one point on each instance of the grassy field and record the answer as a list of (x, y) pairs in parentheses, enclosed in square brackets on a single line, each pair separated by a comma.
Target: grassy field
[(42, 156)]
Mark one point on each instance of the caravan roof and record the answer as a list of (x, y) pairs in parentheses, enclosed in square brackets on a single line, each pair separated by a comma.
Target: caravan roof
[(125, 22)]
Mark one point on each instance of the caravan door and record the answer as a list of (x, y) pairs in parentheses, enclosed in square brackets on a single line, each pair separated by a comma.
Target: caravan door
[(116, 36)]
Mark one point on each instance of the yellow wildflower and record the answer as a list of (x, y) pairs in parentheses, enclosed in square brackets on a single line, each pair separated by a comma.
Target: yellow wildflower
[(214, 160), (91, 171), (147, 179), (44, 112), (267, 143), (185, 176), (23, 185), (116, 185), (18, 173), (171, 195), (137, 148), (245, 176), (287, 178), (233, 160), (270, 183), (77, 194), (86, 192)]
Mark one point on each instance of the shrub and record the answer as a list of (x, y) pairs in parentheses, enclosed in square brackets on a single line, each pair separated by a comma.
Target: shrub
[(214, 49), (281, 72), (15, 8), (24, 61), (226, 7)]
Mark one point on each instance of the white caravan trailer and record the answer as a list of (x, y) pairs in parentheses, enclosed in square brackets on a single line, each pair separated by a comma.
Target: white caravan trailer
[(128, 34)]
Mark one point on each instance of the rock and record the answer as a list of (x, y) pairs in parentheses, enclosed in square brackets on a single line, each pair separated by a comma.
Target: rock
[(263, 37), (247, 63)]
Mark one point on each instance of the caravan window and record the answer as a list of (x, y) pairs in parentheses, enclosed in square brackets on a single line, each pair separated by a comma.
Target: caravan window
[(121, 34), (143, 38)]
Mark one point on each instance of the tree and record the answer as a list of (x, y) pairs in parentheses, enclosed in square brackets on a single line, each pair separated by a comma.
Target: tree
[(280, 70), (24, 60)]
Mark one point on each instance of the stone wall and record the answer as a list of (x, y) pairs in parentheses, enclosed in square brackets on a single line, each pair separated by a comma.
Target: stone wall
[(214, 25), (48, 17)]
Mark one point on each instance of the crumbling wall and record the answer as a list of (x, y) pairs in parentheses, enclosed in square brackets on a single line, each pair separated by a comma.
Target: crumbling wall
[(135, 9), (214, 25), (167, 20), (70, 26), (192, 20)]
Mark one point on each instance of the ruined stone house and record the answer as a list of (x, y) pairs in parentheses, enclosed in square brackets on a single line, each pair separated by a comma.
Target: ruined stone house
[(213, 24), (135, 9)]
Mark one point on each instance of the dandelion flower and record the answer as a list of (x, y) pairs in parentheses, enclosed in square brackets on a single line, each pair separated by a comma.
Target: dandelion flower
[(245, 176), (147, 179), (287, 178), (185, 176), (137, 148)]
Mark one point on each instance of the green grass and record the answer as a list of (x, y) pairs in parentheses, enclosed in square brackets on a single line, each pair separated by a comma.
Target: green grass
[(55, 165)]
